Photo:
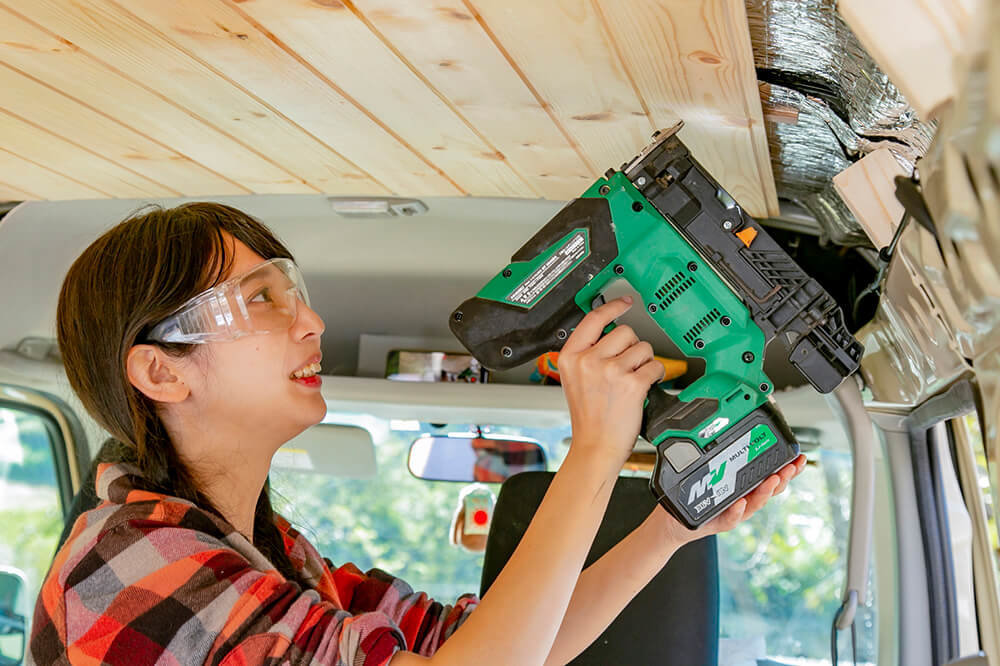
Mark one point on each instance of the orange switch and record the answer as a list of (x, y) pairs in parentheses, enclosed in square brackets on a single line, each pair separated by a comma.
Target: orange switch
[(747, 235)]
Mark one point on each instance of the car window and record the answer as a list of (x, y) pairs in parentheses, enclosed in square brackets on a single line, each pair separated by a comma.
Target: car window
[(31, 512), (986, 482), (395, 521), (782, 572)]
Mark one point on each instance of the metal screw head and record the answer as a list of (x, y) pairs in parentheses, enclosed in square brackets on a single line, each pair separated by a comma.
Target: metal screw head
[(727, 224), (748, 357), (561, 334), (604, 189), (619, 269), (507, 352), (637, 206), (692, 267), (458, 316), (764, 388), (640, 181), (725, 321), (699, 344), (652, 308), (506, 272)]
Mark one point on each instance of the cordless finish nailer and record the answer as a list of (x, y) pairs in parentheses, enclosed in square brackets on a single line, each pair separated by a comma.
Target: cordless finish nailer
[(712, 279)]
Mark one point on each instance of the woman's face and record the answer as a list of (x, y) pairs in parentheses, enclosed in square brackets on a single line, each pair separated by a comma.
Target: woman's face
[(244, 389)]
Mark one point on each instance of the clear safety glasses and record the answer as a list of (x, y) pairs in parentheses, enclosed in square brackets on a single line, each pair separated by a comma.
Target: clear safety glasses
[(261, 300)]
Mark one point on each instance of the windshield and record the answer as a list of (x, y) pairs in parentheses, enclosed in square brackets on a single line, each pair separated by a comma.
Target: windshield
[(395, 521)]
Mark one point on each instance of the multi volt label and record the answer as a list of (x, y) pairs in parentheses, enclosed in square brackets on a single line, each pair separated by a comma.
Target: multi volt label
[(716, 481), (572, 251)]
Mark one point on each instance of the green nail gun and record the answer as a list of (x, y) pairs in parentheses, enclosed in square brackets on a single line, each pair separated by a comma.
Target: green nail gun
[(712, 279)]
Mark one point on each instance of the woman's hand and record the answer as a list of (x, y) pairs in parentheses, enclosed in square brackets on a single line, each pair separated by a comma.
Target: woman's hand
[(605, 380), (677, 534)]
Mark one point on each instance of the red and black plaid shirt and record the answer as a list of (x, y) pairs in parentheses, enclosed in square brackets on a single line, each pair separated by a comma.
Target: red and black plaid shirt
[(146, 578)]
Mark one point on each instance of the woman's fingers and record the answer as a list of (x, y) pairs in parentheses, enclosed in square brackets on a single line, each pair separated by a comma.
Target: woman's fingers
[(592, 326), (789, 472), (635, 355), (616, 342)]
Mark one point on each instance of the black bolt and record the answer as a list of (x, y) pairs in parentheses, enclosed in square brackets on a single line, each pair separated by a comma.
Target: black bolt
[(561, 334), (764, 388), (726, 321), (637, 206), (746, 396), (699, 344), (506, 272), (458, 316), (748, 357), (507, 352), (619, 269), (692, 267), (652, 308), (604, 189)]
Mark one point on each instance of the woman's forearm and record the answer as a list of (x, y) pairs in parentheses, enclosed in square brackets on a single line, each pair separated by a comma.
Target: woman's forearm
[(609, 584), (518, 619)]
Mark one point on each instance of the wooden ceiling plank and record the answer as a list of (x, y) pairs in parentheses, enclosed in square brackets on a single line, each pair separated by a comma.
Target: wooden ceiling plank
[(329, 38), (28, 176), (921, 59), (113, 35), (9, 192), (694, 61), (213, 50), (64, 65), (574, 70), (451, 51), (68, 119), (24, 138)]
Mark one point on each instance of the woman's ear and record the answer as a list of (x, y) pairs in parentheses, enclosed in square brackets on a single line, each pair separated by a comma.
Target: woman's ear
[(155, 374)]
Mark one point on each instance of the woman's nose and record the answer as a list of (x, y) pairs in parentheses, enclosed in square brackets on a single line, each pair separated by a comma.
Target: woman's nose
[(307, 321)]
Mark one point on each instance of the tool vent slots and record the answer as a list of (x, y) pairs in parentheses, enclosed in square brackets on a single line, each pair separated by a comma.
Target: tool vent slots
[(673, 288), (703, 323)]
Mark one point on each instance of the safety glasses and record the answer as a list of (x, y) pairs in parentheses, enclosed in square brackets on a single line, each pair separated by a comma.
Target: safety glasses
[(262, 300)]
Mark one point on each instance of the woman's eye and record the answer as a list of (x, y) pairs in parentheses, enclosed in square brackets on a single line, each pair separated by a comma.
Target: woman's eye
[(262, 296)]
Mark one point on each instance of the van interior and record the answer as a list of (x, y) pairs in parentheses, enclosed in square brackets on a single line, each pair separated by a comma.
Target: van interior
[(404, 151)]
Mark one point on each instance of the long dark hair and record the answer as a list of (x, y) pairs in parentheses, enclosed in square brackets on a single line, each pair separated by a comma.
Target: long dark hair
[(132, 277)]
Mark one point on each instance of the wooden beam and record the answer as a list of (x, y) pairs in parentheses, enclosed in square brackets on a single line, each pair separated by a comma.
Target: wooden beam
[(694, 61), (916, 44), (868, 189), (612, 73), (94, 131)]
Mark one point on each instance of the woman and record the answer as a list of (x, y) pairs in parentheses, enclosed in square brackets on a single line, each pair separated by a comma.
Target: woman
[(188, 336)]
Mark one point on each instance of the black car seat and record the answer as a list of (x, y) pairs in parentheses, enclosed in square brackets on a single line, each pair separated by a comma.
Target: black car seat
[(674, 620)]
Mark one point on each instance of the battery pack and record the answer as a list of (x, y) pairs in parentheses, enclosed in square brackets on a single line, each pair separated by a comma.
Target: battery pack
[(695, 485)]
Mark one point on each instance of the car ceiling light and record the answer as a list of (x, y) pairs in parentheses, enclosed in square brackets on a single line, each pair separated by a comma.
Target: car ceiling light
[(377, 206)]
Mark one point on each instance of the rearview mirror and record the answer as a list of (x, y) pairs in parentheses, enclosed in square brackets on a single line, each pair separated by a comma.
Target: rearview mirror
[(469, 459), (12, 624)]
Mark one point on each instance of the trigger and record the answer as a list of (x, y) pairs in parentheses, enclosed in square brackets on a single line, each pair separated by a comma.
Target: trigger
[(597, 302)]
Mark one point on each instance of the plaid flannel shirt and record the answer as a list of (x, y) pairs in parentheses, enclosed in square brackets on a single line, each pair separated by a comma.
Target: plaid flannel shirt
[(146, 578)]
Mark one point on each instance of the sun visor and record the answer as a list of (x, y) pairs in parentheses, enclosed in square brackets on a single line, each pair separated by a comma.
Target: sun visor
[(336, 450)]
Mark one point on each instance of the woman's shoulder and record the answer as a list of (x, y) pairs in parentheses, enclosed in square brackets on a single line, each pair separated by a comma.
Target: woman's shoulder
[(157, 528)]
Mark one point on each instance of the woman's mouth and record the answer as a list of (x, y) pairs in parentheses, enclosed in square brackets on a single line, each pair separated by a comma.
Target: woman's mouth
[(308, 375), (306, 371)]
